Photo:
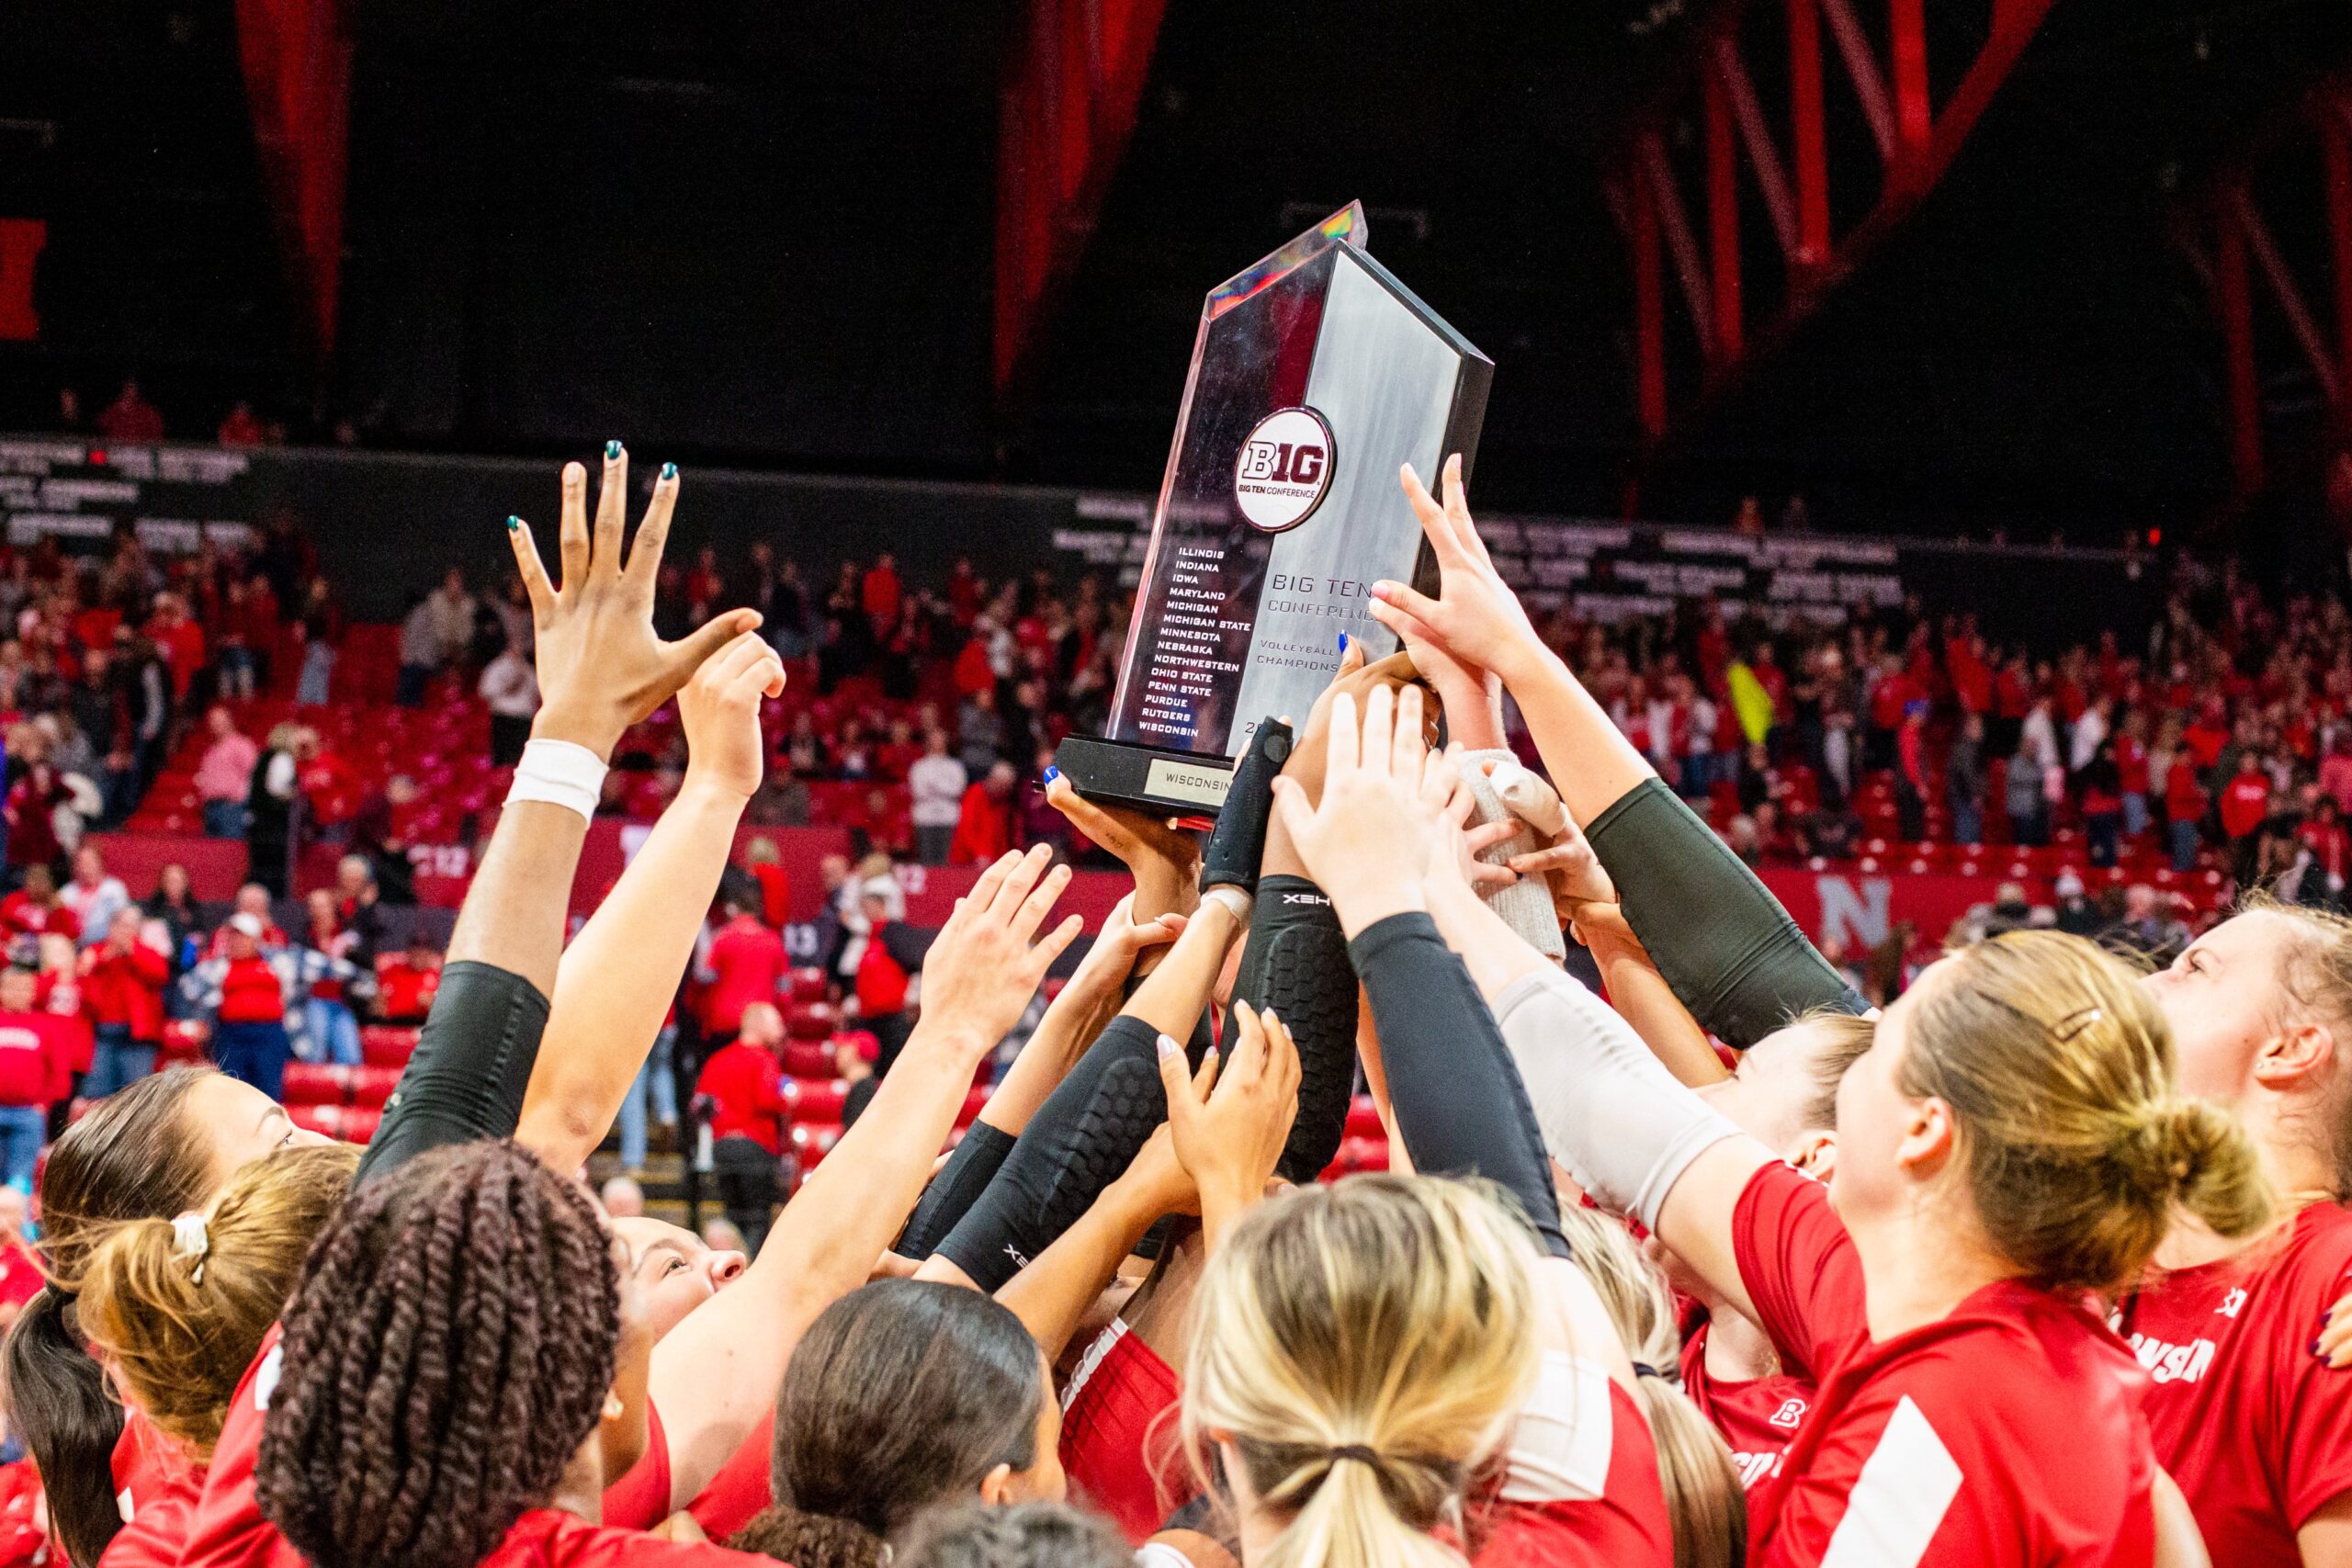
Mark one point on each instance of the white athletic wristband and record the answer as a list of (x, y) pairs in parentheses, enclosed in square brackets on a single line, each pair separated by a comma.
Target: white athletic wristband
[(558, 773)]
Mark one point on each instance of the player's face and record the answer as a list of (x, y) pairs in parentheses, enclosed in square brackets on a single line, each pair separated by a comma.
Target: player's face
[(2222, 998), (673, 1269), (1771, 1095), (1875, 1116), (242, 1123)]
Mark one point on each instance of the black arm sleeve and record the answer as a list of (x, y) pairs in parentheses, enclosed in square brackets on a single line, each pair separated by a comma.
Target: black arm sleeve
[(1724, 944), (1459, 1103), (1295, 962), (473, 1061), (954, 1189), (1088, 1132)]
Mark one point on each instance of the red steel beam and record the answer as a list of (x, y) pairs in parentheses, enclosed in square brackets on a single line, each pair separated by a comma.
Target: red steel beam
[(2283, 287), (2235, 299), (1918, 140), (2335, 155), (1809, 142), (1722, 216)]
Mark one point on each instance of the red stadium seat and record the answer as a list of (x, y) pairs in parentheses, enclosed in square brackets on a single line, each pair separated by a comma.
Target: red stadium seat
[(370, 1087), (808, 1058), (387, 1045), (810, 1020), (815, 1099), (807, 986), (309, 1083)]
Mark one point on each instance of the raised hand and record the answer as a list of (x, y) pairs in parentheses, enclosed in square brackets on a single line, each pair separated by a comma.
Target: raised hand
[(988, 960), (1355, 680), (1573, 870), (1476, 618), (1164, 860), (1229, 1127), (1104, 972), (601, 668), (1368, 840), (1456, 846), (719, 709)]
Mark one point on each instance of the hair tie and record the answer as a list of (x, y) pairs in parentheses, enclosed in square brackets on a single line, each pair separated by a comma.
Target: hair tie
[(1356, 1451), (1644, 1370), (190, 1239)]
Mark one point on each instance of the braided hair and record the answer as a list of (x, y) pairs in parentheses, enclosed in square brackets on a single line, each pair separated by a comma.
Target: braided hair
[(449, 1347)]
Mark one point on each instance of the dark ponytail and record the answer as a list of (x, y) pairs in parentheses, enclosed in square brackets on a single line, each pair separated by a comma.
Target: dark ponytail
[(58, 1402), (136, 1155)]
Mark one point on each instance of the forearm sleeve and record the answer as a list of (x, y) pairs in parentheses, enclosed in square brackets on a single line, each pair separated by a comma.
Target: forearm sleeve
[(1088, 1132), (1295, 963), (1730, 951), (472, 1064), (1609, 1109), (954, 1189), (1459, 1104)]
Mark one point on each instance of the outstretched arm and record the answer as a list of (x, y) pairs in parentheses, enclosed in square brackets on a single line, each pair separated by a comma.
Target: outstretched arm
[(601, 669), (717, 1374), (1722, 940), (617, 978)]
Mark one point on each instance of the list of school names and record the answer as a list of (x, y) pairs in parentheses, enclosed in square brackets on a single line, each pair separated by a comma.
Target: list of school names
[(1190, 640)]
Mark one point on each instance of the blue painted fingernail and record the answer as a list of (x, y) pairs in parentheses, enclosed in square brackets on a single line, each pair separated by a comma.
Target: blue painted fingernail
[(512, 524), (612, 451), (1052, 773), (1344, 642), (669, 471)]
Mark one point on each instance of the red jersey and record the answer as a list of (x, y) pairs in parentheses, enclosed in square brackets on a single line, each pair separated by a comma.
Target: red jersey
[(24, 1543), (2255, 1428), (226, 1529), (748, 1086), (251, 992), (2007, 1432), (1119, 1433), (2184, 796), (36, 1059), (154, 1535), (1757, 1415), (640, 1499), (2132, 765), (2329, 844), (1614, 1516), (746, 964), (2245, 801), (741, 1490), (547, 1538), (142, 1465)]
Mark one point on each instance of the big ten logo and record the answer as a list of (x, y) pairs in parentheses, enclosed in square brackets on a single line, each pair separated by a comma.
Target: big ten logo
[(1283, 469)]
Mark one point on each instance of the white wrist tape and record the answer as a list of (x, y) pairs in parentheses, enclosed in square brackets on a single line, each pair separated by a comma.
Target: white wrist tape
[(1233, 899), (559, 773)]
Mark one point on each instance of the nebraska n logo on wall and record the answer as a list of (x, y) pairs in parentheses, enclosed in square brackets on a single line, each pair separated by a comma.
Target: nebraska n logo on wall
[(1284, 469)]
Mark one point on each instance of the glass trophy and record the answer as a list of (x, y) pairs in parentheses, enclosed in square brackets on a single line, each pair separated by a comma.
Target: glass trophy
[(1315, 375)]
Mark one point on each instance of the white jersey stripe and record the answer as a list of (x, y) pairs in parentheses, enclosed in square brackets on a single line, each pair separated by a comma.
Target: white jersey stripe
[(1559, 1451), (1899, 1500)]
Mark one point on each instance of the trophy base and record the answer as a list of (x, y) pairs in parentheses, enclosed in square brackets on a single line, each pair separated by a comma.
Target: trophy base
[(1166, 783)]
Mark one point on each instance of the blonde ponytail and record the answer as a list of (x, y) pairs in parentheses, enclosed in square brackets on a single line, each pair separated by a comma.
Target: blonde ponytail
[(178, 1307), (1367, 1345), (2077, 1151), (1704, 1501)]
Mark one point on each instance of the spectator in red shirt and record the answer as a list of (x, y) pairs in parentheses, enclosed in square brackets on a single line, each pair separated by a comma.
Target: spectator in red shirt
[(745, 964), (741, 1091), (2323, 833), (984, 832), (881, 594), (34, 907), (180, 641), (886, 973), (131, 417), (2245, 804), (35, 1069), (240, 428), (122, 992), (246, 998), (765, 862), (2132, 771), (2184, 810), (407, 983)]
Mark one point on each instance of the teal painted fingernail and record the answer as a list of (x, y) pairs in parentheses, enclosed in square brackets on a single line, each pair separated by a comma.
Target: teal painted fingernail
[(612, 451), (669, 471), (512, 524)]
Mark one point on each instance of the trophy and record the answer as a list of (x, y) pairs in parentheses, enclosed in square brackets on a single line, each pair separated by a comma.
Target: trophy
[(1314, 374)]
